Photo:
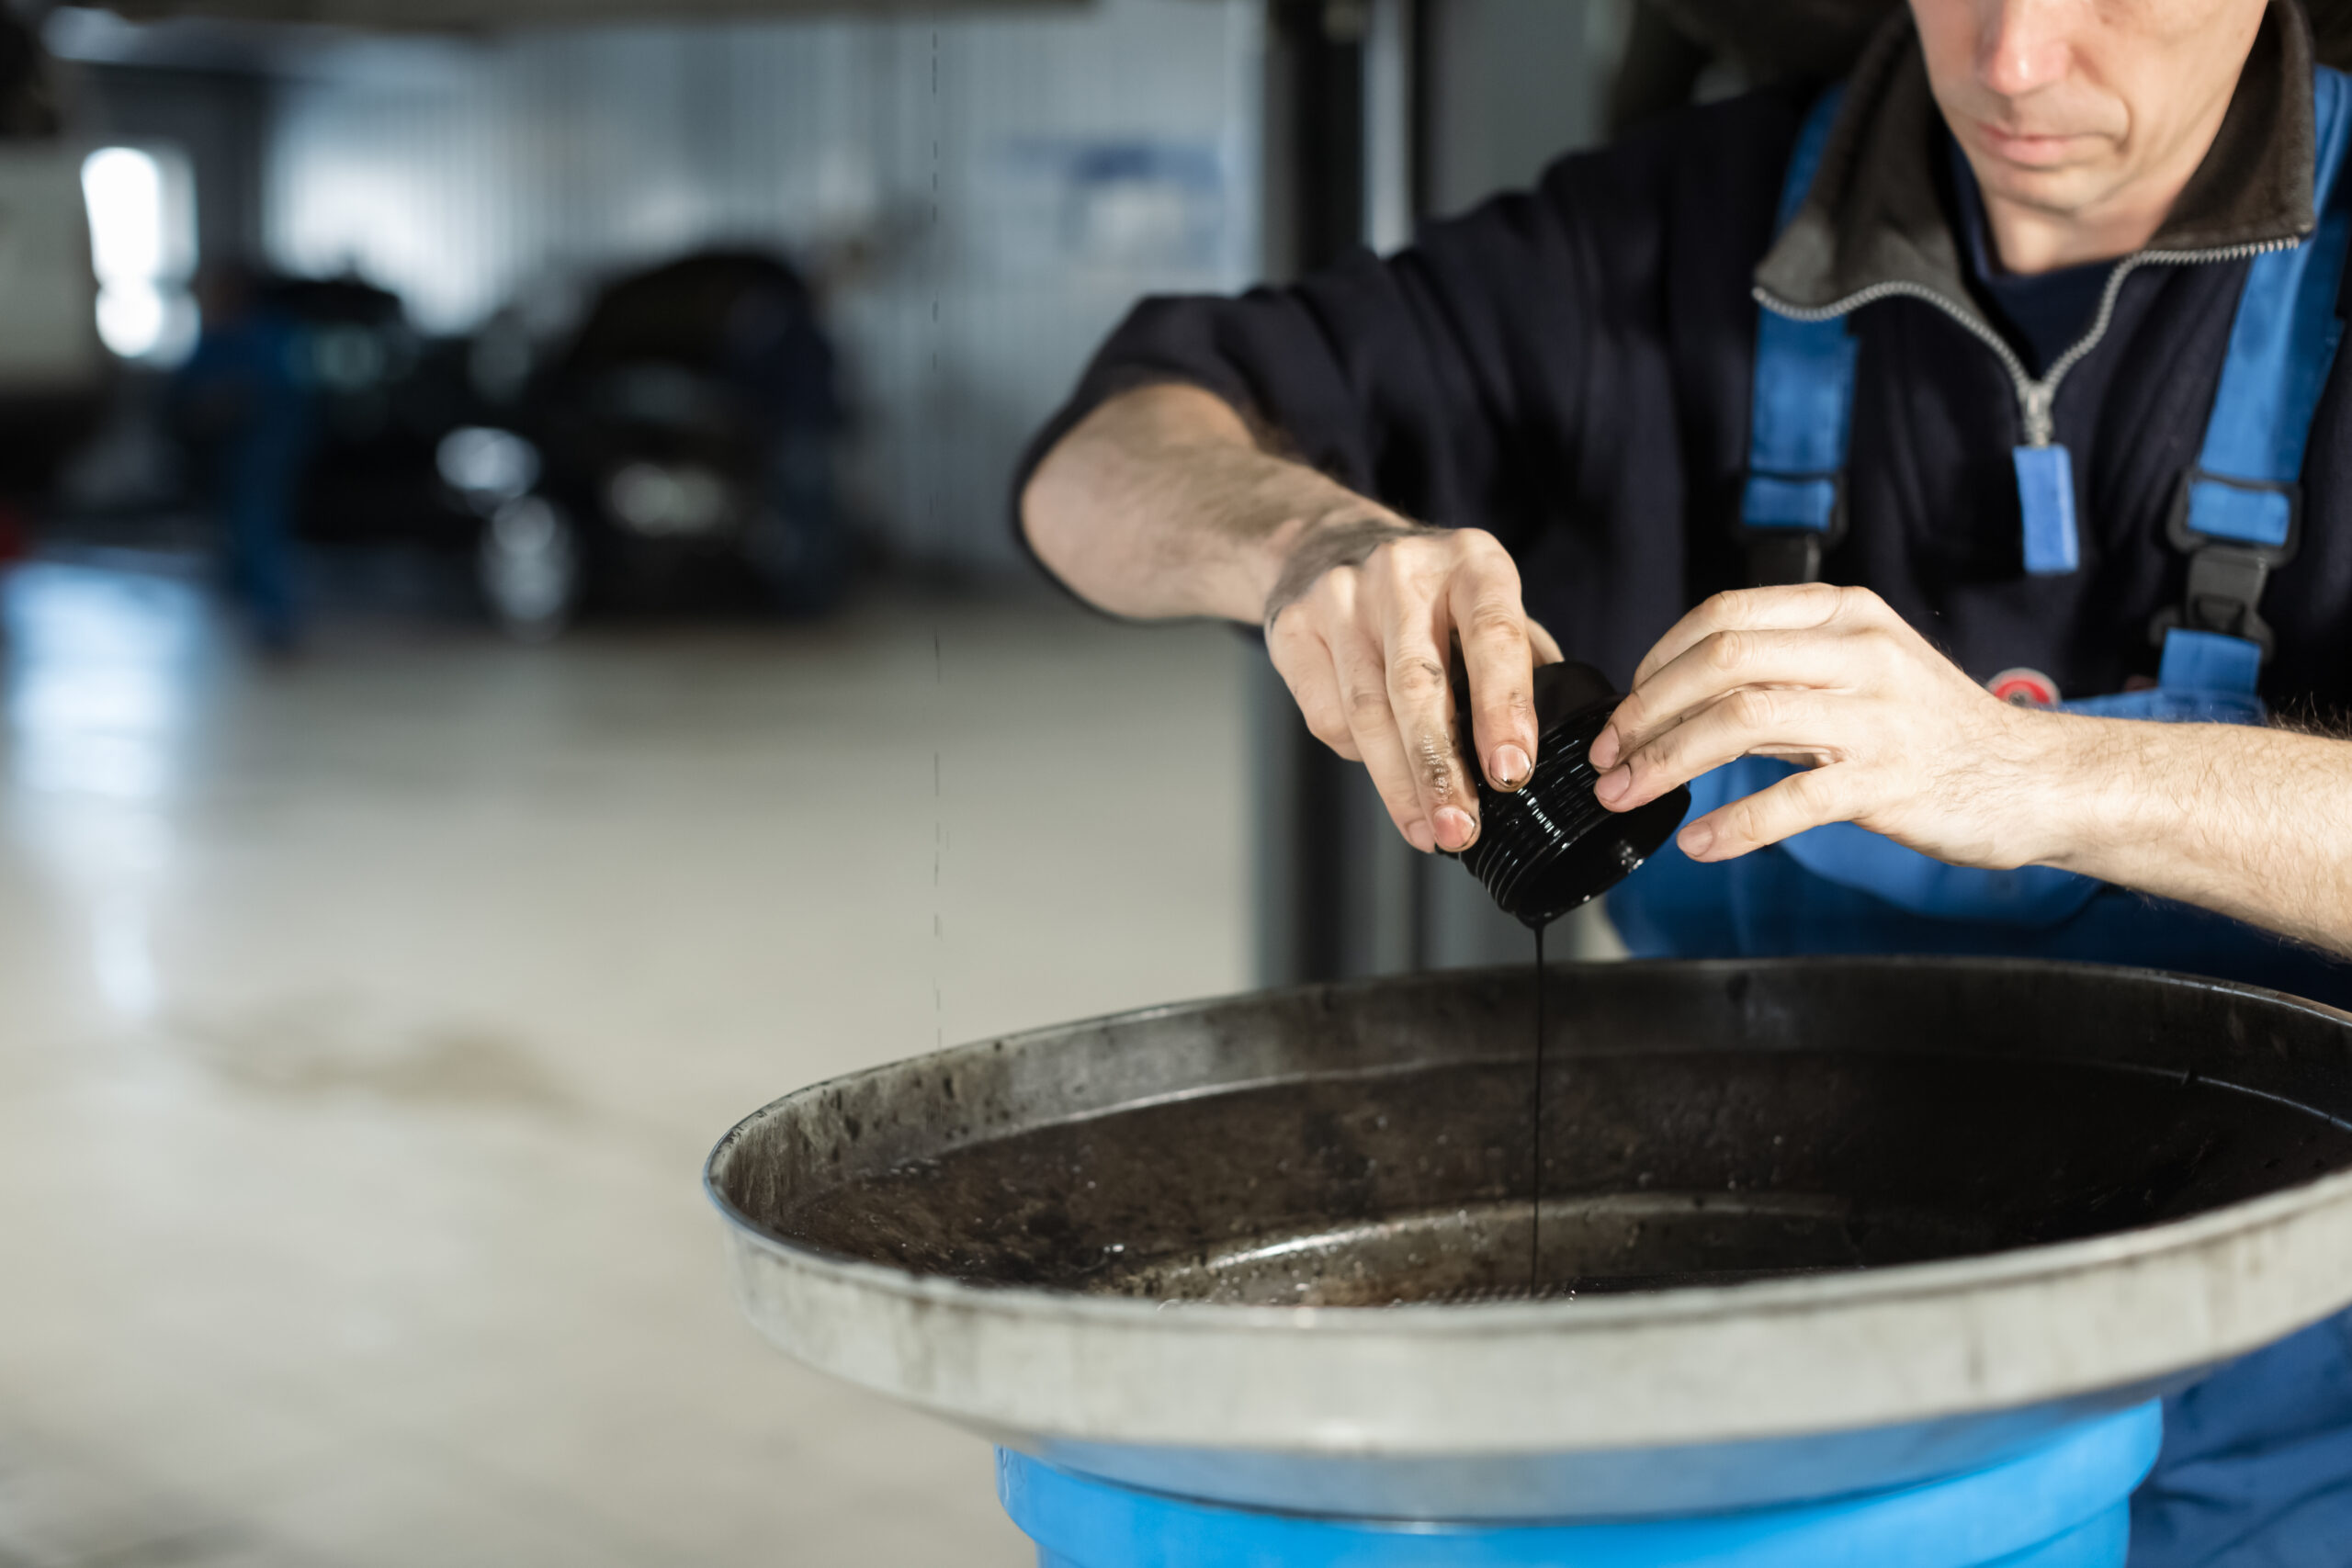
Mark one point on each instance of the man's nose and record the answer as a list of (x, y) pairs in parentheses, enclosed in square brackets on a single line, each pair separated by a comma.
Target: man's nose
[(2022, 45)]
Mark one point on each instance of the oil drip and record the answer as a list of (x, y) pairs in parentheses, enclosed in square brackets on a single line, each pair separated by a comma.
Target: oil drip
[(1535, 1138)]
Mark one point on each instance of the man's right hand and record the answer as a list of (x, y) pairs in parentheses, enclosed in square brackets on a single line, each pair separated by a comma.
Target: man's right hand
[(1362, 625), (1162, 503)]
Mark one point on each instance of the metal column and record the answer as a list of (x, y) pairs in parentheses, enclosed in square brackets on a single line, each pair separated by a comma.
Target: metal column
[(1348, 162), (1311, 908)]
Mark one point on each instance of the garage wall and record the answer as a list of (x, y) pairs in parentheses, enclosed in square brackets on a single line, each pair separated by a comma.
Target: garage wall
[(1513, 85), (985, 198)]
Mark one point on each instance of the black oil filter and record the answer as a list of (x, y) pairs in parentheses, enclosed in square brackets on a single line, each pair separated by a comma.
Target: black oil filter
[(1550, 845)]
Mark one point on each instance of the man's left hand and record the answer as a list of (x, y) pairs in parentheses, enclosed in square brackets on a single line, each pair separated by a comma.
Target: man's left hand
[(1896, 737)]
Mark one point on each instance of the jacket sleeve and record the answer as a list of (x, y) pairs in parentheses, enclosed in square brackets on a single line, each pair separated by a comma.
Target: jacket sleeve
[(1524, 369), (1438, 380)]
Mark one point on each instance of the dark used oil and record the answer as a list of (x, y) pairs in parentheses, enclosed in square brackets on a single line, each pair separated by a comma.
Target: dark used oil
[(1415, 1182), (1659, 1168), (1535, 1136)]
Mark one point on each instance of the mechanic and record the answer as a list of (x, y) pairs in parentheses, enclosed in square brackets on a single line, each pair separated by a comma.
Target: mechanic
[(1986, 406)]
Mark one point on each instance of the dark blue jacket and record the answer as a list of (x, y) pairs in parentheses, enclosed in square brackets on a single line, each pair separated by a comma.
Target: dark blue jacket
[(1569, 368)]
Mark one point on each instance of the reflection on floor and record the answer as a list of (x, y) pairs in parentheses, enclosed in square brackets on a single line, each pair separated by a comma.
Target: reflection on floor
[(366, 1022)]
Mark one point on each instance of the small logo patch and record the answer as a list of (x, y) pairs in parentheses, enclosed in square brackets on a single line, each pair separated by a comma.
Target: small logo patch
[(2026, 688)]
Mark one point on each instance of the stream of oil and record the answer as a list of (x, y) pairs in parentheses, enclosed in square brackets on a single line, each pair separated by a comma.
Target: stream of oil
[(1535, 1140)]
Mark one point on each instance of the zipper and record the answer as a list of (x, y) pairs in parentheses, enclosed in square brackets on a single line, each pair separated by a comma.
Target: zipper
[(2037, 399)]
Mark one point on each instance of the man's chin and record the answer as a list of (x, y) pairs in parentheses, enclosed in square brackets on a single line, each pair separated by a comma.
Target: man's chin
[(2059, 192)]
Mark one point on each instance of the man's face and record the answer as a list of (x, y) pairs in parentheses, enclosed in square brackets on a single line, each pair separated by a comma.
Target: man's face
[(2063, 105)]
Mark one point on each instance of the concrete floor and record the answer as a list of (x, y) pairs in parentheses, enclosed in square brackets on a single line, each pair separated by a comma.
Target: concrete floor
[(366, 1020)]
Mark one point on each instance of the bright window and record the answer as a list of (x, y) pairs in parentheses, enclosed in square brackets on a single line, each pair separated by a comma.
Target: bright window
[(143, 246)]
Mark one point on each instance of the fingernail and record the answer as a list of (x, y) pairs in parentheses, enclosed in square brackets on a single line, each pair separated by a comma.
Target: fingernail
[(1511, 767), (1613, 783), (1696, 840), (1455, 828), (1603, 755), (1420, 838)]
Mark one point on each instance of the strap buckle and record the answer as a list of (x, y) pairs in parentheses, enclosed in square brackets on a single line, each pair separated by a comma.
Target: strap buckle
[(2226, 575), (1806, 517), (2188, 539)]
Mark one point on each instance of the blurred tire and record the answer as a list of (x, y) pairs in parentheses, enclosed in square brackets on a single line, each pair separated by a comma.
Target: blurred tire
[(797, 541), (529, 567), (803, 561)]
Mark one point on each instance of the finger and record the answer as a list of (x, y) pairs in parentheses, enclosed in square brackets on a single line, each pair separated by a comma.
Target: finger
[(1304, 662), (1482, 599), (1363, 696), (1754, 719), (1546, 646), (1421, 698), (1797, 803), (1792, 608), (1724, 662)]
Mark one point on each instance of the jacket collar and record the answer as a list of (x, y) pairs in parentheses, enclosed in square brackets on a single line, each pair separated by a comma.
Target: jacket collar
[(1874, 222)]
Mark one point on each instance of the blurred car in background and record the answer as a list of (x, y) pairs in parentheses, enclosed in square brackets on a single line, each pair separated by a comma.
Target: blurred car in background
[(680, 446), (383, 397), (676, 449), (310, 411)]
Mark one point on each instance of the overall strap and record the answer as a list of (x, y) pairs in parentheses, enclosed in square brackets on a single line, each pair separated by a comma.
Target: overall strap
[(1792, 506), (2239, 511)]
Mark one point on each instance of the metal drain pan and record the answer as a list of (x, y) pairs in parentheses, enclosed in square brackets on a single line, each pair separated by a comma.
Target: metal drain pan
[(1829, 1224)]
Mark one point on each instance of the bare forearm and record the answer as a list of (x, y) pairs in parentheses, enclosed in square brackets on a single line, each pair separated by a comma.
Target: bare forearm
[(1160, 504), (2254, 823)]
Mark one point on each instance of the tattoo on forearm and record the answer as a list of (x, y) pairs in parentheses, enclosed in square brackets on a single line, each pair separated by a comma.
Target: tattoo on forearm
[(1345, 544)]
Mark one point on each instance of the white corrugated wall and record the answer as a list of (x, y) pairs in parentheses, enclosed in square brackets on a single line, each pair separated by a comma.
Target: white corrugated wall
[(1012, 182)]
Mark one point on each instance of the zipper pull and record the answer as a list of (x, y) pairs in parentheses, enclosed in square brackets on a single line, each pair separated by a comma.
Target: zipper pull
[(2046, 500)]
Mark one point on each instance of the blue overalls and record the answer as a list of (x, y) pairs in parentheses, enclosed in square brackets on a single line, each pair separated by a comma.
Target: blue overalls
[(2256, 1466)]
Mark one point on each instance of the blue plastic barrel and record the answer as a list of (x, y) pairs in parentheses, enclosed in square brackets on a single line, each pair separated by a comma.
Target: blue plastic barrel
[(2064, 1505)]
